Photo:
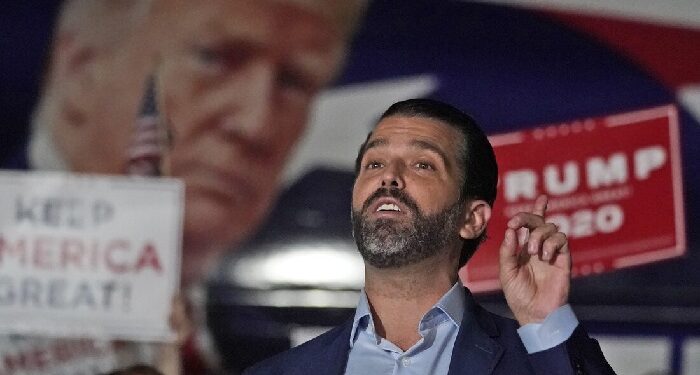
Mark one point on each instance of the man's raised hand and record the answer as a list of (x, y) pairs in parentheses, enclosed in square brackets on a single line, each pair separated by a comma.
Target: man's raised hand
[(535, 272)]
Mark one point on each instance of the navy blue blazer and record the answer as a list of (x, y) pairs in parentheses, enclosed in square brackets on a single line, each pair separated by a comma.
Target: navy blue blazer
[(486, 344)]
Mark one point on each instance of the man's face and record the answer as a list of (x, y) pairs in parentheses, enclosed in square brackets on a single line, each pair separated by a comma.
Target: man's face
[(237, 80), (405, 203)]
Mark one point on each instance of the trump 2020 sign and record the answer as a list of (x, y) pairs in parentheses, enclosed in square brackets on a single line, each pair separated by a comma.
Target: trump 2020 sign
[(614, 186)]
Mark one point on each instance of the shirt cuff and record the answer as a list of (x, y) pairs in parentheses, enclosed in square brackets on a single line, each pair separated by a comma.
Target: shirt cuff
[(556, 328)]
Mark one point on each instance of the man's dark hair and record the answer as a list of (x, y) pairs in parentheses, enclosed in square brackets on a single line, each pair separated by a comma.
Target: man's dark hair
[(477, 161)]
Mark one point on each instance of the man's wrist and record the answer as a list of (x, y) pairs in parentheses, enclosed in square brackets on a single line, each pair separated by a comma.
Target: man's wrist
[(556, 328)]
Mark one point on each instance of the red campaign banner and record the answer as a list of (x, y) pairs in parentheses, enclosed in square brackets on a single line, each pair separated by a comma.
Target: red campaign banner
[(614, 187)]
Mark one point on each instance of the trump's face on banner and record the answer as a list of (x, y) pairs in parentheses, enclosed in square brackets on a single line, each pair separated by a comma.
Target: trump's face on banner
[(236, 81)]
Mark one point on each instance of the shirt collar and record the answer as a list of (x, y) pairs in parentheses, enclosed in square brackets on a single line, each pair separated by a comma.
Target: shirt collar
[(451, 304), (363, 318)]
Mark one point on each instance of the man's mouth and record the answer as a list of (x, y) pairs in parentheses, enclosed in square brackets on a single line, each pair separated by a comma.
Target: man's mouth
[(388, 207), (389, 204)]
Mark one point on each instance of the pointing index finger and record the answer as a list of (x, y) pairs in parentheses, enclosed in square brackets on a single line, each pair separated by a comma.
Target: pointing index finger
[(540, 205)]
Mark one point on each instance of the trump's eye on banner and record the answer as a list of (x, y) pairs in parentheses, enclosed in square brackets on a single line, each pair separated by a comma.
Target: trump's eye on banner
[(614, 186), (88, 256)]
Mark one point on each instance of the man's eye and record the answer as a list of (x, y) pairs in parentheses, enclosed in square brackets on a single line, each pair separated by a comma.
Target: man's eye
[(292, 80), (223, 57), (373, 165), (424, 165), (208, 56)]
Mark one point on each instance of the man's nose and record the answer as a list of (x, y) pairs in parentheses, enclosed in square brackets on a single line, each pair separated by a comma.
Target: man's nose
[(252, 117), (392, 178)]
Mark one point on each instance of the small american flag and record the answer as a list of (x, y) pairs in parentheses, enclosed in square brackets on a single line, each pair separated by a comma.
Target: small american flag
[(145, 152)]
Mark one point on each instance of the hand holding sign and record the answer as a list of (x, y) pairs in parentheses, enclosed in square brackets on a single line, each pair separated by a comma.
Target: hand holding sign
[(535, 273)]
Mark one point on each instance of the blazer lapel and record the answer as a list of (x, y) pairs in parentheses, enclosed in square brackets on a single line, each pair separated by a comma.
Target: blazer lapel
[(475, 351), (334, 357)]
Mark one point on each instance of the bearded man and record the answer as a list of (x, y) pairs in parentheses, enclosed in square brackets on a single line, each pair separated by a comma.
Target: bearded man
[(424, 189)]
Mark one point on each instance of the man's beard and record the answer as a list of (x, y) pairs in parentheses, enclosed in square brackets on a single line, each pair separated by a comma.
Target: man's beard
[(388, 243)]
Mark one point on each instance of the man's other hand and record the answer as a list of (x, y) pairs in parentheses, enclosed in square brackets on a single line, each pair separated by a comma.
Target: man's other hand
[(535, 265)]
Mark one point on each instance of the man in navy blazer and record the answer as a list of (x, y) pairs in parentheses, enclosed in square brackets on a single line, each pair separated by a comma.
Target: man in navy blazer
[(425, 184)]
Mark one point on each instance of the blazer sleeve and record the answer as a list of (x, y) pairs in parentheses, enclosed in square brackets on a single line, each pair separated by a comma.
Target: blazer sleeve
[(579, 355)]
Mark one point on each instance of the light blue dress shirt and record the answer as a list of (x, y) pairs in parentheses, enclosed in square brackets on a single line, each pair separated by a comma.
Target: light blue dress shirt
[(373, 354)]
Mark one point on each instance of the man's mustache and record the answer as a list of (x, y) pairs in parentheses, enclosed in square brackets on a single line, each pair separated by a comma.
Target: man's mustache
[(397, 194)]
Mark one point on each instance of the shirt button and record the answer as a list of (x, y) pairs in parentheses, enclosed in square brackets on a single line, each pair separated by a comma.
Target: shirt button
[(405, 362)]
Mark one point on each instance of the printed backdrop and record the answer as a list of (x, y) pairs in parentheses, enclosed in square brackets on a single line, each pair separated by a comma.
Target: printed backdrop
[(512, 65)]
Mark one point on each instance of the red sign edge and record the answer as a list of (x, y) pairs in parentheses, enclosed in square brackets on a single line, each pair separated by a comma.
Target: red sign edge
[(671, 112)]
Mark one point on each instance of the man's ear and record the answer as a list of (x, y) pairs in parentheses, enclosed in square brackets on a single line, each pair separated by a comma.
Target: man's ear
[(70, 55), (477, 215), (72, 75), (72, 68)]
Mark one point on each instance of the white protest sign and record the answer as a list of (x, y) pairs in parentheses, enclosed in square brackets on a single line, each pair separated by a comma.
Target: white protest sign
[(88, 255), (41, 356)]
